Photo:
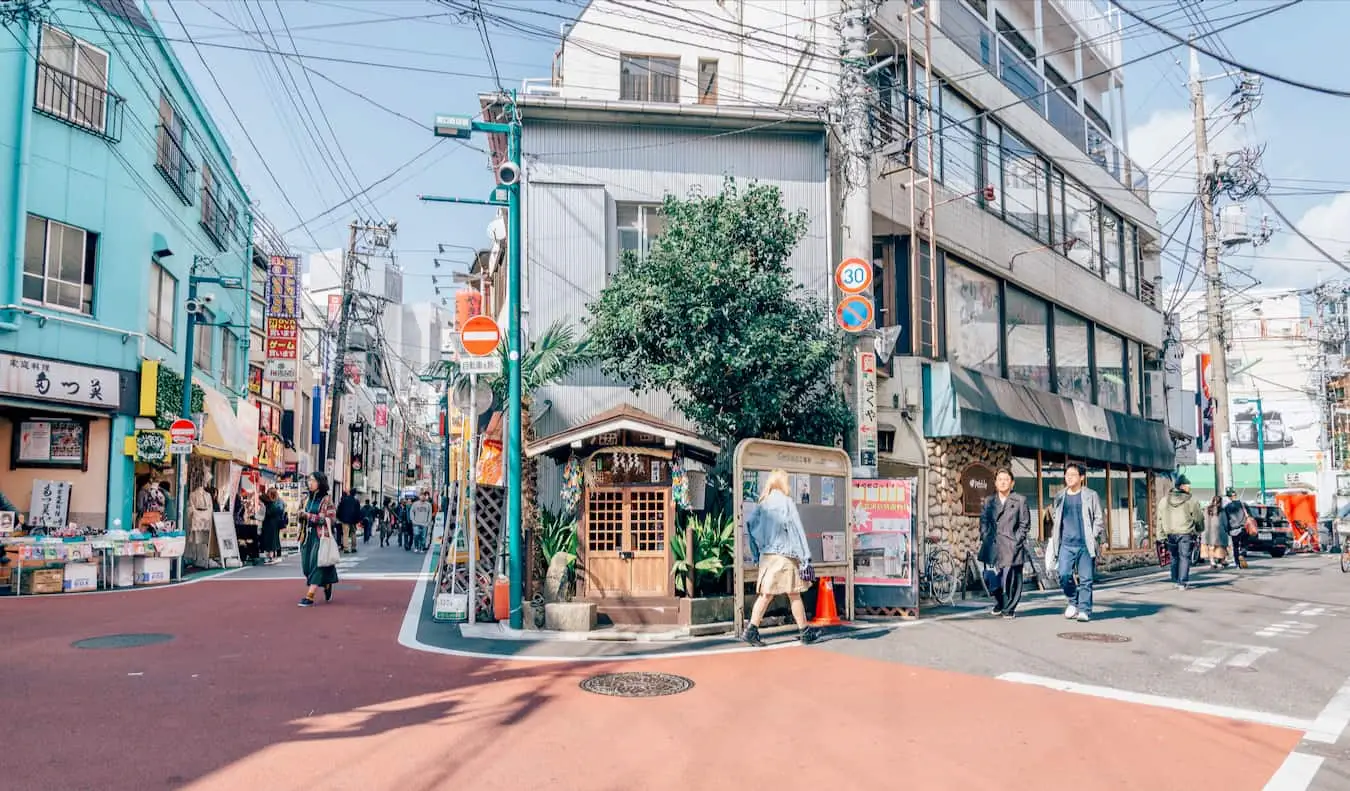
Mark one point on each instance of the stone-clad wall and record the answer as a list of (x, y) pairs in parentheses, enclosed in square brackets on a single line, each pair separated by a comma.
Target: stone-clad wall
[(947, 458)]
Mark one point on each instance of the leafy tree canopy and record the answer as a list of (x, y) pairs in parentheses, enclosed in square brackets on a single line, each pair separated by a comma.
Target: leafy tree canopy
[(714, 317)]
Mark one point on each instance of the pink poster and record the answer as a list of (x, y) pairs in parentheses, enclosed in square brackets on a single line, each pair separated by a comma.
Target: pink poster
[(883, 532)]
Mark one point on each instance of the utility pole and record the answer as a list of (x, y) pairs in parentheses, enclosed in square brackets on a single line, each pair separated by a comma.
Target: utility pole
[(1218, 347), (338, 380), (856, 242)]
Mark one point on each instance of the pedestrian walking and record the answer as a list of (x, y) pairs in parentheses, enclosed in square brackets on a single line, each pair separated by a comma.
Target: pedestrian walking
[(367, 521), (319, 522), (1215, 540), (778, 546), (420, 513), (349, 515), (1235, 517), (388, 522), (1076, 529), (1179, 520), (1005, 522), (274, 520)]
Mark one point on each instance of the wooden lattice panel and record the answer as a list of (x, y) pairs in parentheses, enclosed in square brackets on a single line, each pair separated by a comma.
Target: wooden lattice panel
[(604, 521), (490, 510), (647, 520)]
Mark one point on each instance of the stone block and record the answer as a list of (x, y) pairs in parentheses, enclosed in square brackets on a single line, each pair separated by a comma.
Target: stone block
[(712, 609), (576, 616)]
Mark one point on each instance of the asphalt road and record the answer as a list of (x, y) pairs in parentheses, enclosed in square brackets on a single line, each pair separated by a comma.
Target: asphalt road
[(371, 561)]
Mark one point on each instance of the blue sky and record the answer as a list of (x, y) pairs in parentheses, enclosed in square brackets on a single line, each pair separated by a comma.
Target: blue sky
[(445, 69)]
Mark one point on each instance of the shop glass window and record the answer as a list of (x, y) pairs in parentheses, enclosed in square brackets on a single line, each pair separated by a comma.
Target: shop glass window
[(163, 304), (638, 224), (1073, 376), (1097, 482), (58, 265), (1113, 264), (1026, 483), (1052, 483), (960, 171), (1143, 513), (973, 326), (1080, 225), (1027, 335), (993, 164), (1119, 524), (1111, 387), (1024, 198)]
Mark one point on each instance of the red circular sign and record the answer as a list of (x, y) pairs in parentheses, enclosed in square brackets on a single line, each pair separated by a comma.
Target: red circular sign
[(853, 276), (182, 432), (480, 336)]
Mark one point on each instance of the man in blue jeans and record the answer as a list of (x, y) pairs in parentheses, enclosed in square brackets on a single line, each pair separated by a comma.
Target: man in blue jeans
[(1072, 549), (1179, 521)]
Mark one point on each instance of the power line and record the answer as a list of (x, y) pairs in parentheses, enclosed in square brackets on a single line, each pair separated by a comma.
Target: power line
[(1291, 225)]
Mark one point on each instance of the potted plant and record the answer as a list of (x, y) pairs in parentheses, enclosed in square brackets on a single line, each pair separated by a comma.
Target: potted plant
[(701, 574)]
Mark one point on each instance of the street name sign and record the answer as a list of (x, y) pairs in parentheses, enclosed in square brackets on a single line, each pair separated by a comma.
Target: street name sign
[(491, 364)]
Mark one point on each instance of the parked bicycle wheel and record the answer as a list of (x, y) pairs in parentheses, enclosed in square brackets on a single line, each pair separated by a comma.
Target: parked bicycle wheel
[(973, 569), (942, 571)]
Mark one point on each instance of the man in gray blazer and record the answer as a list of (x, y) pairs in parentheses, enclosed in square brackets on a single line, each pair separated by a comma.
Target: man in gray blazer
[(1077, 526)]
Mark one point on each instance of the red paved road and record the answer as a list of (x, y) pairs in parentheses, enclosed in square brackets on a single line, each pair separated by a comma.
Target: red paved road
[(257, 694)]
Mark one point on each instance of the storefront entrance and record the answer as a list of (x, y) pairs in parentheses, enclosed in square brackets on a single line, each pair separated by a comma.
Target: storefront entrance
[(625, 536)]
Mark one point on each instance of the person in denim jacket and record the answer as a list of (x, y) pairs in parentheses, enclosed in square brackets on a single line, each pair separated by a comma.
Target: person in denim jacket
[(778, 547)]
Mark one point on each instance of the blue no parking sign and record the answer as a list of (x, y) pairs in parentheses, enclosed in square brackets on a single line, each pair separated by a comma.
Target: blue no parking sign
[(854, 314)]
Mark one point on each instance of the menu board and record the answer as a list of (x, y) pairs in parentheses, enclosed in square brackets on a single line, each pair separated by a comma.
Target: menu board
[(51, 504), (50, 443)]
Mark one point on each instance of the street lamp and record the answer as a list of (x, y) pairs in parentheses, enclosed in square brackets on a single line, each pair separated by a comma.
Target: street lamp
[(1259, 427)]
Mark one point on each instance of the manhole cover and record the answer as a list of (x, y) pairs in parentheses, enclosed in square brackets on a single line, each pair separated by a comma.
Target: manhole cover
[(122, 640), (1095, 637), (637, 685)]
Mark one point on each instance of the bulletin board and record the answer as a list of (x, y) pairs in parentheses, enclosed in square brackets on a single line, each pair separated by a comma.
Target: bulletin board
[(821, 482), (884, 557)]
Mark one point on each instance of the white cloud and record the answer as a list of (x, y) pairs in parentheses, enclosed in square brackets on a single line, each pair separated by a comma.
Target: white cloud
[(1288, 261)]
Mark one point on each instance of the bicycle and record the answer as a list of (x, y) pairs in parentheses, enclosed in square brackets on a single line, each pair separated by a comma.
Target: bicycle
[(937, 580)]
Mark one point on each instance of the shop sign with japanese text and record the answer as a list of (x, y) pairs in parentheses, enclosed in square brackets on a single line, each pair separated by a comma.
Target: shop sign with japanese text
[(44, 380), (867, 409), (281, 347)]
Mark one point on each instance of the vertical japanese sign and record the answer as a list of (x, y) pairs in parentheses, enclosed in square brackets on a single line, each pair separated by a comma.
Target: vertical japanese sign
[(1204, 406), (381, 415), (282, 319), (867, 409), (883, 542)]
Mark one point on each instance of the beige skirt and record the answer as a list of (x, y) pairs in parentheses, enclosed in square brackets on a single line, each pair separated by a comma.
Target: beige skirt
[(780, 574)]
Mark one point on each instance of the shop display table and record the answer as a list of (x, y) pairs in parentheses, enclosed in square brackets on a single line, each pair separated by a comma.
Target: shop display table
[(119, 559)]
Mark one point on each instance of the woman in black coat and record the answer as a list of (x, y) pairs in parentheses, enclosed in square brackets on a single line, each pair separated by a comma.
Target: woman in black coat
[(274, 521)]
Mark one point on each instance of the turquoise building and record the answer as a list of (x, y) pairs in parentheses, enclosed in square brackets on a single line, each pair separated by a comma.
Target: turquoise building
[(116, 186)]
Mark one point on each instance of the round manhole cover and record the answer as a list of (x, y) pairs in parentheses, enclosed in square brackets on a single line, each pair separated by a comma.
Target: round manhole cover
[(122, 640), (1094, 637), (637, 685)]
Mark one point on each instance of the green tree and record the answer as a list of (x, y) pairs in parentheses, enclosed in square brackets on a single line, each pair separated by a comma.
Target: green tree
[(713, 316)]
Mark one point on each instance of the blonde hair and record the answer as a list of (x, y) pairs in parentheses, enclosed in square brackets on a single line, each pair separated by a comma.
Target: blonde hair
[(777, 482)]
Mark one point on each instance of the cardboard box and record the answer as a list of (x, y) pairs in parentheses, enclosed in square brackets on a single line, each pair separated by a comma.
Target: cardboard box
[(152, 571), (80, 577), (37, 581)]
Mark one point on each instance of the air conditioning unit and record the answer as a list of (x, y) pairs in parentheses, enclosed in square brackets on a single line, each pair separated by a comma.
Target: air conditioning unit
[(1155, 401)]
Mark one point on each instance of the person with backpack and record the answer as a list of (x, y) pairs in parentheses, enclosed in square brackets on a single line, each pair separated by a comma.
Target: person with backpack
[(1235, 516), (1180, 520)]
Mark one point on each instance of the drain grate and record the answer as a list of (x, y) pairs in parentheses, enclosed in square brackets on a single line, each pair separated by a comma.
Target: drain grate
[(637, 685), (122, 641), (1094, 637)]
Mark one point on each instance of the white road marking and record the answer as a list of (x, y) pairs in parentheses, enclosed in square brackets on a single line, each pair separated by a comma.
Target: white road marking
[(1229, 654), (1310, 610), (1295, 774), (1331, 723), (1286, 629), (1176, 704)]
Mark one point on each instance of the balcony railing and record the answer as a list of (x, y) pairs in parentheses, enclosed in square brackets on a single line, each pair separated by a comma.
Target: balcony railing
[(215, 221), (79, 103), (1022, 77), (174, 164)]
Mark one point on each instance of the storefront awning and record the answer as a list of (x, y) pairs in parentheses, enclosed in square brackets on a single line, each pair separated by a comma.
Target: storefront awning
[(1247, 477), (227, 435), (959, 402), (623, 418)]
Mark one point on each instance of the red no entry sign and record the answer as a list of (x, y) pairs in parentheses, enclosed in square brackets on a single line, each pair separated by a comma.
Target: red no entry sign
[(182, 433), (480, 336)]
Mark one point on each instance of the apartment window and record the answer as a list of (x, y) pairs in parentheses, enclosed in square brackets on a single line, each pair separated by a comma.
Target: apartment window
[(1136, 376), (923, 121), (707, 81), (229, 354), (981, 7), (1113, 263), (993, 164), (974, 327), (1080, 225), (1017, 40), (171, 158), (204, 335), (72, 80), (1132, 259), (1027, 338), (1025, 202), (645, 78), (1073, 372), (929, 282), (960, 169), (881, 264), (638, 225), (1056, 79), (215, 214), (1098, 119), (163, 304), (1111, 385), (58, 265)]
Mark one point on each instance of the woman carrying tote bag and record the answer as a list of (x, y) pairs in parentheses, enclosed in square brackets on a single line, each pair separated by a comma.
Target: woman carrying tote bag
[(319, 554)]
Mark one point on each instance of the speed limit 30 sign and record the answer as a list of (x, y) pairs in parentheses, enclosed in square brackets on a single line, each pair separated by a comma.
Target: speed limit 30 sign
[(853, 276)]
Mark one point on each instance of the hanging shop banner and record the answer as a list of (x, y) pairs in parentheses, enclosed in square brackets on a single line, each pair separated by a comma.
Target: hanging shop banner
[(1204, 406), (282, 319), (381, 415), (883, 543), (867, 409)]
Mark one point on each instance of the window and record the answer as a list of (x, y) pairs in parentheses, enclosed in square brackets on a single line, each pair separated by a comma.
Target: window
[(1056, 79), (1080, 225), (204, 335), (928, 311), (707, 81), (216, 215), (649, 79), (923, 121), (881, 264), (1111, 387), (1019, 42), (1058, 236), (1143, 513), (1118, 508), (960, 170), (973, 325), (638, 224), (1136, 378), (1073, 377), (1132, 260), (163, 304), (993, 164), (171, 159), (229, 354), (72, 80), (1113, 264), (1027, 338), (1025, 483), (58, 265), (1024, 197)]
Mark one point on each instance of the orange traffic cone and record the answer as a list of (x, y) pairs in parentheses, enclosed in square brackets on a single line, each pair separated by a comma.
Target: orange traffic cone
[(826, 612)]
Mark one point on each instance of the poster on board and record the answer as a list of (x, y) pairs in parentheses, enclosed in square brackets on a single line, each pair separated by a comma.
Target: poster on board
[(883, 542)]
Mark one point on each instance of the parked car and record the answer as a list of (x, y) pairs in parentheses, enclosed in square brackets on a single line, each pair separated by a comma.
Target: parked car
[(1274, 534)]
